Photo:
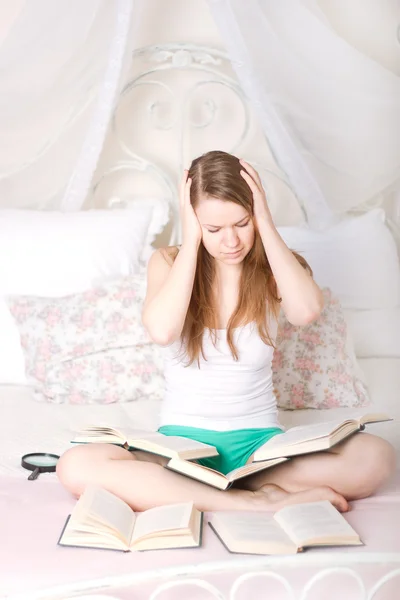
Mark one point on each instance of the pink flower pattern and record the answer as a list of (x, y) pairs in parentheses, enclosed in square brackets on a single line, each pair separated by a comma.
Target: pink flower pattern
[(92, 348), (312, 367)]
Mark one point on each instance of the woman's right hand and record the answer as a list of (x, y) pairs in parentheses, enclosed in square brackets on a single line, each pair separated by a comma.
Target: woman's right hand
[(191, 228)]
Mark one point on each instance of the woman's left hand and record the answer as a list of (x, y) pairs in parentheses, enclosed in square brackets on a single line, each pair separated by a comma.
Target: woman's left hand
[(260, 205)]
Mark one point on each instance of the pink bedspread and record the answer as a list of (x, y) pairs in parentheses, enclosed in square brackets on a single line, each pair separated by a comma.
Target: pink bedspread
[(33, 566)]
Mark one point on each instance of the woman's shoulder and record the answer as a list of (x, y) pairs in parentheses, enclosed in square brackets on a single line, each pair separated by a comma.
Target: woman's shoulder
[(162, 258), (169, 253), (160, 263)]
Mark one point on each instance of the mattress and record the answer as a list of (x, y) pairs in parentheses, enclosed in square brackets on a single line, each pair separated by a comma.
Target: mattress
[(36, 511)]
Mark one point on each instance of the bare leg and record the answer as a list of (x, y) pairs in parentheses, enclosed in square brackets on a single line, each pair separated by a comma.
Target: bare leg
[(144, 484), (356, 468)]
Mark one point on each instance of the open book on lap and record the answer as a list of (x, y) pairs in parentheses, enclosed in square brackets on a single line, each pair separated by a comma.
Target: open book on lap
[(295, 441), (150, 441), (215, 478), (288, 531), (102, 520), (315, 437)]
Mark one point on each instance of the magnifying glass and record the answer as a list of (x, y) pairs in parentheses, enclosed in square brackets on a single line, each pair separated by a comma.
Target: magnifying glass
[(39, 462)]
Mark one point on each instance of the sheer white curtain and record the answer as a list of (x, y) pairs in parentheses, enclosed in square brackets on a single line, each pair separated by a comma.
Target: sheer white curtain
[(331, 114), (61, 65)]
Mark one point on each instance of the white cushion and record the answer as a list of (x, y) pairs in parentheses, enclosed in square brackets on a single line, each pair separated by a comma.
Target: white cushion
[(53, 254), (356, 258), (375, 333)]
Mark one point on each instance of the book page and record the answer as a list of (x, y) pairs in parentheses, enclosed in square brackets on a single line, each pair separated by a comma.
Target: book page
[(303, 522), (167, 441), (124, 432), (162, 518), (302, 433), (95, 432), (254, 467), (374, 418), (175, 443), (106, 508), (255, 527)]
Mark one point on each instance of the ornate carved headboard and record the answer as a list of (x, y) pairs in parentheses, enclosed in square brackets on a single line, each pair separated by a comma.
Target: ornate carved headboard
[(181, 100)]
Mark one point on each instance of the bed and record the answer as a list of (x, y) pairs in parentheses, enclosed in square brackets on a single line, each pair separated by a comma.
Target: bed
[(36, 512), (33, 567)]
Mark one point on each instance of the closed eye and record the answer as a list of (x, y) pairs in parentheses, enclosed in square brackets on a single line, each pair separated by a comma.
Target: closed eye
[(237, 225)]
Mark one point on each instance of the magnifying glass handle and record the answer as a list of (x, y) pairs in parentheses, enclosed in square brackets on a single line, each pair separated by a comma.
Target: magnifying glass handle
[(34, 474)]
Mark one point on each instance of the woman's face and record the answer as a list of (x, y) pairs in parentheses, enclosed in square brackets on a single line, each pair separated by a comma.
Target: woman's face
[(228, 229)]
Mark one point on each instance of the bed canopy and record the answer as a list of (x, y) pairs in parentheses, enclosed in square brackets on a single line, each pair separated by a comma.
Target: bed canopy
[(330, 114)]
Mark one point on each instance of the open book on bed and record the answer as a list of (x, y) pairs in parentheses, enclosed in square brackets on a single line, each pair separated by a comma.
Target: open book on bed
[(171, 446), (288, 531), (102, 520)]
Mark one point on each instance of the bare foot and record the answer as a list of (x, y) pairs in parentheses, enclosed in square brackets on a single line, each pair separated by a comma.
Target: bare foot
[(272, 497)]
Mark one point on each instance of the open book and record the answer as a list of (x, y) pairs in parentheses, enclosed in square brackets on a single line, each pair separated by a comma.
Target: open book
[(314, 437), (215, 478), (288, 531), (170, 446), (102, 520)]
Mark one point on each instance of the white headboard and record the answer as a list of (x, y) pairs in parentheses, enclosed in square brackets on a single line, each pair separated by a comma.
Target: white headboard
[(181, 100)]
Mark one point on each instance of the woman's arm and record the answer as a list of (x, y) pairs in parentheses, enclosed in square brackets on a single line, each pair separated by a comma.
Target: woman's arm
[(302, 299), (169, 289)]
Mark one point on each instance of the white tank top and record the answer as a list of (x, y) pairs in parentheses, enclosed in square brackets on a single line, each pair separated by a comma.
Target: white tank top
[(222, 394)]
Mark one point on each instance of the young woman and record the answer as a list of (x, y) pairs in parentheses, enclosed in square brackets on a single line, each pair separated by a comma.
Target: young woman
[(214, 303)]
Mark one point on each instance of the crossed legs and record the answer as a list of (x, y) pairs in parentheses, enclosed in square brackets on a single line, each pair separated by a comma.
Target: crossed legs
[(353, 470)]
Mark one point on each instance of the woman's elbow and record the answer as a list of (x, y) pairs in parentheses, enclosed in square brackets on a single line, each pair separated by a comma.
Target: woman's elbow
[(307, 315), (162, 339), (158, 335)]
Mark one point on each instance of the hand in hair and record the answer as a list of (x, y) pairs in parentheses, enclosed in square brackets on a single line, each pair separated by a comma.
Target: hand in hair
[(260, 205), (191, 228)]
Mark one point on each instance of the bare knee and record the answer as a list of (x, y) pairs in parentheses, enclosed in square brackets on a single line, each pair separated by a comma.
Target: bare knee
[(375, 463), (82, 464)]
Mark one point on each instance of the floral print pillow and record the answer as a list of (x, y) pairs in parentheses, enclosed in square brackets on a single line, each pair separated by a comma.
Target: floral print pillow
[(314, 366), (90, 347)]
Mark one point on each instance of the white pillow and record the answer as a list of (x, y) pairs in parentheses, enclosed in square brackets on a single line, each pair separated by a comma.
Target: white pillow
[(375, 333), (53, 254), (356, 258)]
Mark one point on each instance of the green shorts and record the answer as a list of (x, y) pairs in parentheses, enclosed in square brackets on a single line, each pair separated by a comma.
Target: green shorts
[(235, 447)]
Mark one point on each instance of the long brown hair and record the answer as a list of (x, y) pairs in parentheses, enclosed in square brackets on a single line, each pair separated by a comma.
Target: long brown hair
[(217, 174)]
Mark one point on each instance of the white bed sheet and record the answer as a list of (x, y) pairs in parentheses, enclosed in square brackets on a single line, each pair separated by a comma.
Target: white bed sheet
[(29, 426), (26, 426)]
